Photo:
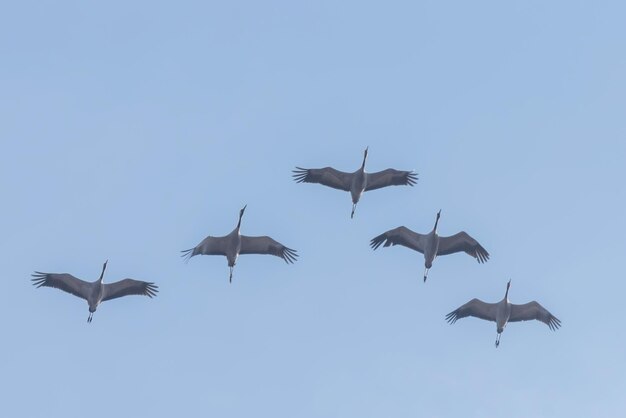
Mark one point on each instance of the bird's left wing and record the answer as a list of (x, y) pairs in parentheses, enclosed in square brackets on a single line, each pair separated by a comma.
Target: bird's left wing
[(63, 281), (390, 177), (462, 242), (266, 245), (476, 308), (533, 310), (209, 246), (129, 287), (399, 236), (327, 176)]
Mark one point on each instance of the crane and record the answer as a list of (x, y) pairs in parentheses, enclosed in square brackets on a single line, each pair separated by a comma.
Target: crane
[(235, 244), (357, 182), (431, 244), (94, 292), (504, 312)]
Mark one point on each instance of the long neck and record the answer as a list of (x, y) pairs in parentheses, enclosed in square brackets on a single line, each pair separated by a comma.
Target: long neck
[(364, 158), (239, 223), (436, 222), (506, 295), (104, 267)]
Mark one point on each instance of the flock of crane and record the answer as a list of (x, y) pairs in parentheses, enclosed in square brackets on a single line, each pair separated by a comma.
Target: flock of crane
[(234, 244)]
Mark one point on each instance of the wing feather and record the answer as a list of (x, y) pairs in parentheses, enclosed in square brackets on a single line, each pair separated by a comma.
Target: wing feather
[(129, 287), (462, 242), (267, 245), (390, 177), (63, 281), (399, 236), (533, 310), (327, 176), (209, 246), (476, 308)]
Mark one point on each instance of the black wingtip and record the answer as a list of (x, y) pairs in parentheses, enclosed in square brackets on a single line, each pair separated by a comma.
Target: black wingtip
[(451, 317), (151, 290), (377, 241), (290, 255), (187, 254), (300, 174), (411, 179)]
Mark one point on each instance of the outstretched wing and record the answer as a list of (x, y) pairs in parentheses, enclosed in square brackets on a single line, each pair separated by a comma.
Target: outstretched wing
[(533, 310), (208, 246), (327, 176), (129, 287), (462, 242), (400, 236), (266, 245), (63, 281), (476, 308), (390, 177)]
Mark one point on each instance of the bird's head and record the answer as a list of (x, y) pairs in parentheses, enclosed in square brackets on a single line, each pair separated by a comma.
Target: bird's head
[(241, 215), (437, 220)]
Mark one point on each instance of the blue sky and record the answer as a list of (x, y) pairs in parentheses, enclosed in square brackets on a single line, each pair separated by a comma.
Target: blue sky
[(131, 131)]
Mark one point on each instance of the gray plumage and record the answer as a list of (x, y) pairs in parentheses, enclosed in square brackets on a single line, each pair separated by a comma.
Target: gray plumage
[(431, 244), (504, 312), (235, 244), (94, 292), (357, 182)]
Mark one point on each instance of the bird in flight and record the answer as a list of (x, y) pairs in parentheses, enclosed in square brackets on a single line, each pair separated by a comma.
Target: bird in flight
[(504, 312), (235, 244), (94, 292), (431, 244), (357, 182)]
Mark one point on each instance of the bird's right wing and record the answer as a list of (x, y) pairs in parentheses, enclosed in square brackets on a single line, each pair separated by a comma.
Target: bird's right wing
[(462, 242), (390, 177), (208, 246), (267, 245), (327, 176), (476, 308), (129, 287), (400, 236), (533, 310), (63, 281)]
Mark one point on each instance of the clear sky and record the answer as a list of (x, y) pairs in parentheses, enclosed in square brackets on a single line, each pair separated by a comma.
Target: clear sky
[(132, 130)]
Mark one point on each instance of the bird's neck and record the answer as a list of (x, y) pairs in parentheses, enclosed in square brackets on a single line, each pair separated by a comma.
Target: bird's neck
[(435, 227), (102, 274)]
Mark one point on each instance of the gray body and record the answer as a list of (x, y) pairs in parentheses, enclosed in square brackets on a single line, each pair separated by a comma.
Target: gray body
[(503, 313), (233, 246), (95, 295), (359, 182)]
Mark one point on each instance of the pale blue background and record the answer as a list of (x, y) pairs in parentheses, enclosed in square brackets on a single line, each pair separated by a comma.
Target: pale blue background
[(130, 131)]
